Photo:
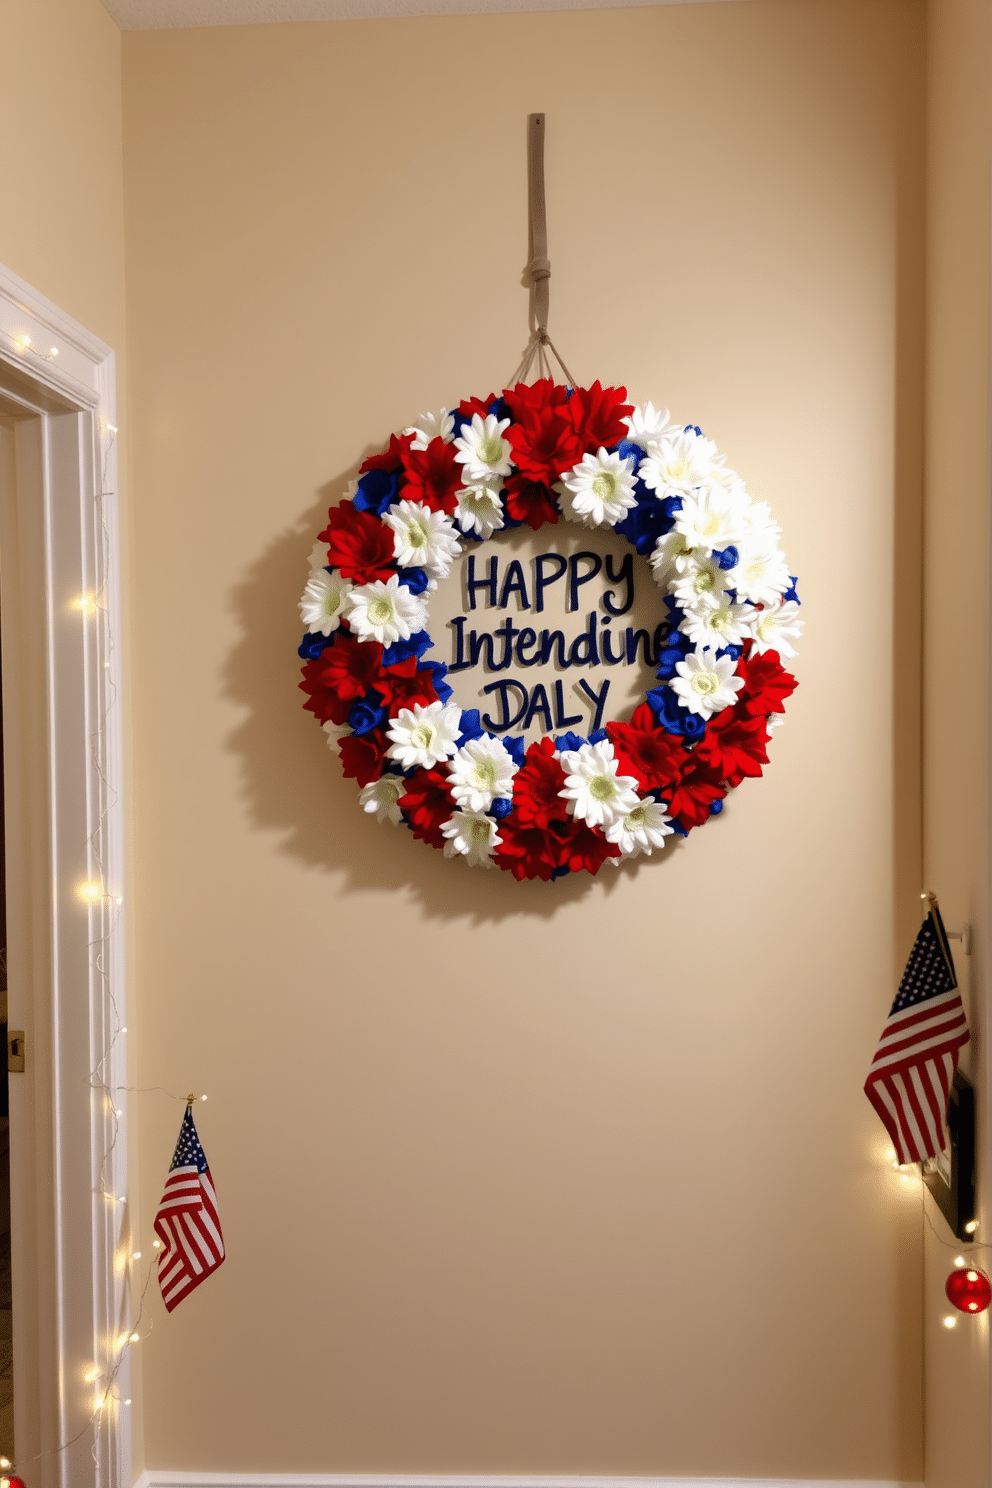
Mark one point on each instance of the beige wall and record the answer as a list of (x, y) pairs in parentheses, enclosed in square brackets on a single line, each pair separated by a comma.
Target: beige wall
[(959, 157), (61, 200), (575, 1177)]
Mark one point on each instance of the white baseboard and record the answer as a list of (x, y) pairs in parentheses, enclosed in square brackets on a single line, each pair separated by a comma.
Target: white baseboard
[(157, 1478)]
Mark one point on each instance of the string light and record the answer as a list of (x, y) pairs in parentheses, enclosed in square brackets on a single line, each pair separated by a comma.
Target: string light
[(89, 892), (950, 1322), (136, 1256), (971, 1227), (25, 341), (959, 1261)]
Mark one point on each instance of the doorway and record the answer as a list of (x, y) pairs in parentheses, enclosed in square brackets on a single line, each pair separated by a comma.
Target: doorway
[(63, 798)]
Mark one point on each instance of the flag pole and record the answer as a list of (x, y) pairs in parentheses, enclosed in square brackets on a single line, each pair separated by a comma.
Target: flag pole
[(930, 899)]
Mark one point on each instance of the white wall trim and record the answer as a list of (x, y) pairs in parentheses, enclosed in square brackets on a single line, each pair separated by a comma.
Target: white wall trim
[(64, 794), (160, 1479)]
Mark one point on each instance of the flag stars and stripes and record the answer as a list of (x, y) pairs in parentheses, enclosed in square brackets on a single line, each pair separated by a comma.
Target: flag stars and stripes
[(910, 1077), (187, 1221)]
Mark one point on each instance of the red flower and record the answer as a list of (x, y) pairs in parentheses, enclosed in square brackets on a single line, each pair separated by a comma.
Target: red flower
[(349, 667), (403, 685), (358, 544), (391, 459), (428, 805), (530, 501), (734, 747), (597, 415), (433, 476), (766, 685), (699, 787), (526, 852), (363, 755), (525, 399), (536, 785), (654, 757), (468, 407), (544, 444), (584, 847)]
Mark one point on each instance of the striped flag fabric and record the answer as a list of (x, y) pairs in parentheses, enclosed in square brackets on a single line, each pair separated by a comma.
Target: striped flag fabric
[(187, 1221), (910, 1077)]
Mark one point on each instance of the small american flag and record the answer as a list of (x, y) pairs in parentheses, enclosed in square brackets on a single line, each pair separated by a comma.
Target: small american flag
[(911, 1074), (187, 1221)]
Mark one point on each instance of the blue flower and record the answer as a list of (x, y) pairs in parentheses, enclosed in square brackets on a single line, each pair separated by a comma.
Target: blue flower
[(645, 523), (313, 644), (377, 489), (732, 651), (727, 558), (500, 807), (368, 713), (715, 808), (673, 718), (568, 741), (471, 728), (399, 651), (440, 671), (560, 872), (415, 579), (515, 748), (597, 736), (627, 449), (791, 592)]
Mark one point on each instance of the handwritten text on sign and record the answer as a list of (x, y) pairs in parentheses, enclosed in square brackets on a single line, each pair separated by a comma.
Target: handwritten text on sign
[(540, 637)]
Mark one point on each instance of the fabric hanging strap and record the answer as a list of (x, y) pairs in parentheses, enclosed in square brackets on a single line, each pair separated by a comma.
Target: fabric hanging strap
[(540, 264)]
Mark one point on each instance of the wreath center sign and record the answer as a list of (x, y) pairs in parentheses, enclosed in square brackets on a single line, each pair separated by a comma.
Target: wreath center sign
[(625, 668)]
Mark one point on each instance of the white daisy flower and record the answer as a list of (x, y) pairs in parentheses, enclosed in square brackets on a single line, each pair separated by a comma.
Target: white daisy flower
[(318, 556), (678, 462), (641, 830), (471, 835), (705, 683), (713, 519), (759, 524), (335, 732), (599, 489), (482, 449), (715, 621), (761, 574), (775, 628), (645, 424), (424, 735), (422, 538), (671, 558), (323, 598), (701, 576), (431, 426), (384, 612), (482, 770), (480, 509), (594, 791), (382, 797)]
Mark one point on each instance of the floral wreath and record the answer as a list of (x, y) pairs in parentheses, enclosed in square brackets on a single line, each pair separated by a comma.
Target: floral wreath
[(536, 454)]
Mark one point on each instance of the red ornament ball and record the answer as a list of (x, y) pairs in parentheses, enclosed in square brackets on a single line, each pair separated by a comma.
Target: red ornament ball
[(969, 1290)]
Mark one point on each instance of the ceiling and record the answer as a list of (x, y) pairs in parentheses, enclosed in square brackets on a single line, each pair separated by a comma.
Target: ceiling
[(160, 15)]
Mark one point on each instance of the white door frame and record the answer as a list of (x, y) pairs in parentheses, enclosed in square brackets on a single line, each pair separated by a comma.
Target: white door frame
[(61, 629)]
